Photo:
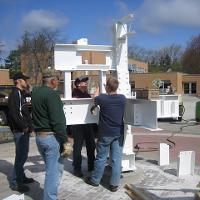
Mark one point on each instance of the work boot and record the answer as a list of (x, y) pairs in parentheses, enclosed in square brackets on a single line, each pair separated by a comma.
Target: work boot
[(113, 188), (20, 188), (78, 173), (89, 182), (28, 180)]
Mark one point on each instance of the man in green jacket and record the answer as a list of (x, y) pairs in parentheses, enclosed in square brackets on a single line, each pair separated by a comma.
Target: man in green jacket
[(50, 127)]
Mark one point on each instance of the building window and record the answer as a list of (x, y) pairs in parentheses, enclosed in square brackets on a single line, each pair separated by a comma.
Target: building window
[(193, 88), (164, 85), (190, 87), (186, 88), (132, 83)]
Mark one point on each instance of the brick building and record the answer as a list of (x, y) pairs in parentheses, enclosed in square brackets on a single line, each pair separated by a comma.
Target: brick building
[(5, 78), (182, 83)]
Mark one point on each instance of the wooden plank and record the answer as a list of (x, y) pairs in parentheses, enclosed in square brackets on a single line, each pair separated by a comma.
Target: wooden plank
[(140, 194)]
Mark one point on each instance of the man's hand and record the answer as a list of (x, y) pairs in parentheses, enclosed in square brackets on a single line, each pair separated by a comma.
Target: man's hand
[(92, 110), (26, 130), (67, 150)]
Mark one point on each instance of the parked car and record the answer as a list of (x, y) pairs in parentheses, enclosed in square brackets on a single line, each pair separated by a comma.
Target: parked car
[(4, 107)]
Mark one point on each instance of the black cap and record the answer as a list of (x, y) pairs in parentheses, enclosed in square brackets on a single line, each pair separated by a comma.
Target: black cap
[(80, 79), (20, 75)]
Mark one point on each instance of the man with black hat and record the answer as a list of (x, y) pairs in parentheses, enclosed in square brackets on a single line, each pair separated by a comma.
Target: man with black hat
[(21, 125), (82, 132)]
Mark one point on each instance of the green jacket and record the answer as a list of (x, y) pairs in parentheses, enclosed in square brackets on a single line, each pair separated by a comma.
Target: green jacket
[(47, 111)]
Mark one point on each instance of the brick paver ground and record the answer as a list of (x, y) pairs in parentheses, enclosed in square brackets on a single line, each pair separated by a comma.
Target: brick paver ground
[(160, 182)]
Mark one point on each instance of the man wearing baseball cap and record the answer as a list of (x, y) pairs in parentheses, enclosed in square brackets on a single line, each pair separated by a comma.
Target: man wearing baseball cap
[(82, 132), (21, 125), (50, 127)]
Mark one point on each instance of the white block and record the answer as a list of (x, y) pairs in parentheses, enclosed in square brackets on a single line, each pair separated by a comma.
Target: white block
[(15, 197), (163, 154), (128, 143), (128, 162), (186, 163)]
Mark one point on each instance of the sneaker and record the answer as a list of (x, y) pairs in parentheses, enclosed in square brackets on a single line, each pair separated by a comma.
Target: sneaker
[(89, 182), (113, 188), (20, 188), (78, 173), (28, 180)]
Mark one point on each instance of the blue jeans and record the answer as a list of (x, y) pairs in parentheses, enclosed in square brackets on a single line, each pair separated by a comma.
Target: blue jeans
[(21, 155), (104, 145), (49, 149)]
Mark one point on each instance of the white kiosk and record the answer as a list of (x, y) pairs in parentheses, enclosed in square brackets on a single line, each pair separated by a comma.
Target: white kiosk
[(143, 113)]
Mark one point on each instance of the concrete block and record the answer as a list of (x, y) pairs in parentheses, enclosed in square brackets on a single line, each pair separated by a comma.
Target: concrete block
[(186, 163), (128, 162), (15, 197), (163, 154)]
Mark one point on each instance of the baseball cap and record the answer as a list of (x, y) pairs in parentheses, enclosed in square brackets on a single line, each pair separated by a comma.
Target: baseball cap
[(20, 75), (80, 79)]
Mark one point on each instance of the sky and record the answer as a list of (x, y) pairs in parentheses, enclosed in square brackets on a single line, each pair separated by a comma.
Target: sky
[(157, 23)]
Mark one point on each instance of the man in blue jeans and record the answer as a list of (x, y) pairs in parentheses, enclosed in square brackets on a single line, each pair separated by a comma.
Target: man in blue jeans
[(21, 125), (50, 127), (110, 134)]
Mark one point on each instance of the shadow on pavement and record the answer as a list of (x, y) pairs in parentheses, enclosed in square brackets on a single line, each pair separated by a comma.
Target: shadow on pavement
[(38, 164), (36, 192), (154, 162), (171, 171)]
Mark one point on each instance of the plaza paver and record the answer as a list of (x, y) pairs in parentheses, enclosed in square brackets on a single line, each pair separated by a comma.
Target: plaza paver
[(159, 182)]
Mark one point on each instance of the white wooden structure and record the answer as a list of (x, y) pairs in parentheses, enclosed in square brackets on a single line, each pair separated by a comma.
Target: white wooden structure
[(168, 106), (68, 58)]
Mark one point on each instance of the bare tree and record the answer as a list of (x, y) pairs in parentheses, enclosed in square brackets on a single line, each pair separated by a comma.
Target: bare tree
[(139, 53), (191, 56), (159, 60), (37, 51)]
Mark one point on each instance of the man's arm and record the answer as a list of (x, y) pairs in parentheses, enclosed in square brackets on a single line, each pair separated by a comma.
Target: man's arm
[(57, 117), (96, 94)]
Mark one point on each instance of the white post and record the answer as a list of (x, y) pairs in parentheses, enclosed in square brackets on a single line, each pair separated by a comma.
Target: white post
[(163, 154), (67, 85), (102, 81), (186, 163), (120, 42)]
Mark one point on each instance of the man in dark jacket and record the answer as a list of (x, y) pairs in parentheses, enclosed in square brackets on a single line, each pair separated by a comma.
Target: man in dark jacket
[(21, 126), (82, 132)]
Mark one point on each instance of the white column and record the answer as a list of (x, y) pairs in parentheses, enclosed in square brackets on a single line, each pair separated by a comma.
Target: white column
[(67, 85), (102, 82), (120, 60)]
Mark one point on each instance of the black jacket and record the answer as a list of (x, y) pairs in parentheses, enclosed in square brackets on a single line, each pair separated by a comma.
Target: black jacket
[(19, 115)]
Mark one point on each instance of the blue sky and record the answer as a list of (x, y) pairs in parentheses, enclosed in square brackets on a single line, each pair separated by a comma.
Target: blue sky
[(158, 23)]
